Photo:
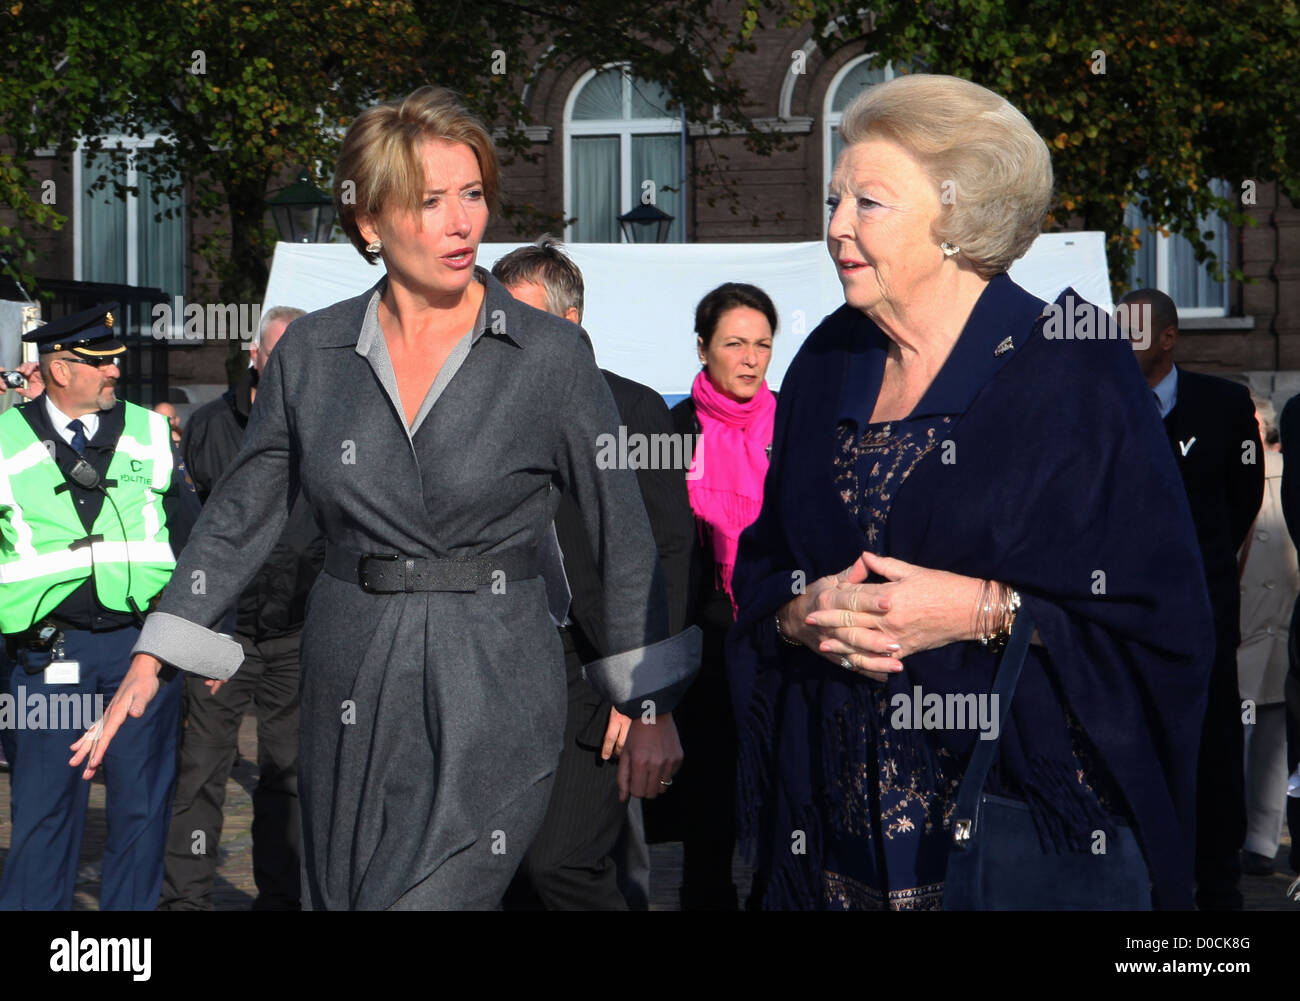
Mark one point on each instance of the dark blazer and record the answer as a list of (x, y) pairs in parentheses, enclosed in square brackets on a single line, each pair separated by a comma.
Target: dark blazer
[(695, 808), (1216, 445), (708, 605), (663, 491)]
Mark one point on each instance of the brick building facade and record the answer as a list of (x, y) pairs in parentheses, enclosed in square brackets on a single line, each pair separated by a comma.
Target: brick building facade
[(1257, 326), (598, 135)]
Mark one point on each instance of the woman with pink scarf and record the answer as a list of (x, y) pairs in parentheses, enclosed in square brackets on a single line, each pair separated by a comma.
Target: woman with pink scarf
[(729, 415)]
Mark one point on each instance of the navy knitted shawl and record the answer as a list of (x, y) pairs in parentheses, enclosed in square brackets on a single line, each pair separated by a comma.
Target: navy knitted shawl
[(1059, 482)]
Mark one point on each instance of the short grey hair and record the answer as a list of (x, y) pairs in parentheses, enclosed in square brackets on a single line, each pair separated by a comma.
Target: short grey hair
[(546, 264), (994, 169), (1268, 417), (286, 313)]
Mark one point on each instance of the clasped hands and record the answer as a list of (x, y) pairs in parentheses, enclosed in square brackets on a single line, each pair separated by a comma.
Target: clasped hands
[(873, 626)]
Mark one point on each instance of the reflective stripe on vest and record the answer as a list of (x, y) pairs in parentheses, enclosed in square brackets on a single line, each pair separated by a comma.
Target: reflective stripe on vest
[(45, 554), (67, 560)]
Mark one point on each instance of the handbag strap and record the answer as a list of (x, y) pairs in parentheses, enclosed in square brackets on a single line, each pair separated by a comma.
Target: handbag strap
[(982, 758)]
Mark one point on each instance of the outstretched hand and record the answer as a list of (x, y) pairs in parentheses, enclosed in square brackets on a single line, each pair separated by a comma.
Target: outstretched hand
[(133, 696)]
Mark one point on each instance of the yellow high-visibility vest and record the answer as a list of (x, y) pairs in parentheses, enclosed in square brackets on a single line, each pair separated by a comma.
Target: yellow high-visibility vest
[(45, 553)]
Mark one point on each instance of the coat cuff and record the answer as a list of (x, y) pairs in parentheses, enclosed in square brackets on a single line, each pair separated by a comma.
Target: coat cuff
[(181, 643), (660, 673)]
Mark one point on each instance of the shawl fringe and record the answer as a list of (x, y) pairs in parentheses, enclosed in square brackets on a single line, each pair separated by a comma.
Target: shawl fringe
[(1065, 814)]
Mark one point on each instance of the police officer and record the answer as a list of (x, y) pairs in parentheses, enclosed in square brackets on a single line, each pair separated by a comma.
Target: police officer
[(94, 507)]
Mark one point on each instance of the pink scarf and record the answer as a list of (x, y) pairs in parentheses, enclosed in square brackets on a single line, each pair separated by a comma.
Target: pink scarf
[(730, 463)]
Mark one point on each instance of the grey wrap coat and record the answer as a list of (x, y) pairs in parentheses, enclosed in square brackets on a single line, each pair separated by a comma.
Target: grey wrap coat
[(425, 715)]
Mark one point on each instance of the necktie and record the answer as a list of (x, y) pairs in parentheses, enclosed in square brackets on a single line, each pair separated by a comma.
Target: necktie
[(78, 436)]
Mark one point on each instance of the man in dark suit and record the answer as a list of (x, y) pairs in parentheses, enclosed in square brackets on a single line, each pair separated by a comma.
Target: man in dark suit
[(569, 865), (1215, 438)]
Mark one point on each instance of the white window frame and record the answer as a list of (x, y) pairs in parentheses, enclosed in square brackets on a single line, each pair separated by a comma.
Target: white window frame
[(625, 128), (113, 144), (130, 144), (831, 120), (1162, 282), (1162, 248)]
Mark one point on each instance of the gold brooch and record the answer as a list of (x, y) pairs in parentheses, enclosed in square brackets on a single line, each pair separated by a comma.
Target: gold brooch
[(108, 319)]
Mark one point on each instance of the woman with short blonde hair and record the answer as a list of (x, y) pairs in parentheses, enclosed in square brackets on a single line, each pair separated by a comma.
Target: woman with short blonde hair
[(428, 442), (380, 163), (942, 474)]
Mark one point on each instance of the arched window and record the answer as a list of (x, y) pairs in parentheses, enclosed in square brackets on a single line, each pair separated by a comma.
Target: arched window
[(623, 146), (852, 79)]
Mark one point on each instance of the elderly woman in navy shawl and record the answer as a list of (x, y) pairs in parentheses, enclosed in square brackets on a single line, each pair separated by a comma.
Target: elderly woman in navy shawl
[(942, 458)]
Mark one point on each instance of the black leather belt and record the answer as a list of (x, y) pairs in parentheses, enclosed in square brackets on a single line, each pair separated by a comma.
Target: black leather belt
[(387, 573)]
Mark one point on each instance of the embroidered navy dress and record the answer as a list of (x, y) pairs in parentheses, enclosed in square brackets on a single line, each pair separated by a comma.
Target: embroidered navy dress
[(888, 848)]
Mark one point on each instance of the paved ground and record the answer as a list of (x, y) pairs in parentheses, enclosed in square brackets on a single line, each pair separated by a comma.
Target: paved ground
[(235, 890)]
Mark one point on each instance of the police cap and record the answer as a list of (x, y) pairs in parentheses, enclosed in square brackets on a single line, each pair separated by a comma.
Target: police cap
[(92, 333)]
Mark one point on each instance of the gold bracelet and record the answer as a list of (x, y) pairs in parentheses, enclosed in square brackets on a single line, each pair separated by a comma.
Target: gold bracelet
[(985, 611), (979, 604), (781, 632), (996, 641), (1013, 606)]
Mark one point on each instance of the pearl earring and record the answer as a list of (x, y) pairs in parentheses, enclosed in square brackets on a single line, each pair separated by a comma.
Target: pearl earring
[(949, 250), (375, 246)]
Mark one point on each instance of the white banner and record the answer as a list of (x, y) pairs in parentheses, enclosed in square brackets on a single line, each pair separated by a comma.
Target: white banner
[(640, 299)]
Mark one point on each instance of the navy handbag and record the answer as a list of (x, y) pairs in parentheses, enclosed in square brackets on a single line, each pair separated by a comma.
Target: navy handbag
[(996, 862)]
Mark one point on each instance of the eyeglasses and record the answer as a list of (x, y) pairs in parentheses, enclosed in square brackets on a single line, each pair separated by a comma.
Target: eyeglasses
[(118, 360)]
